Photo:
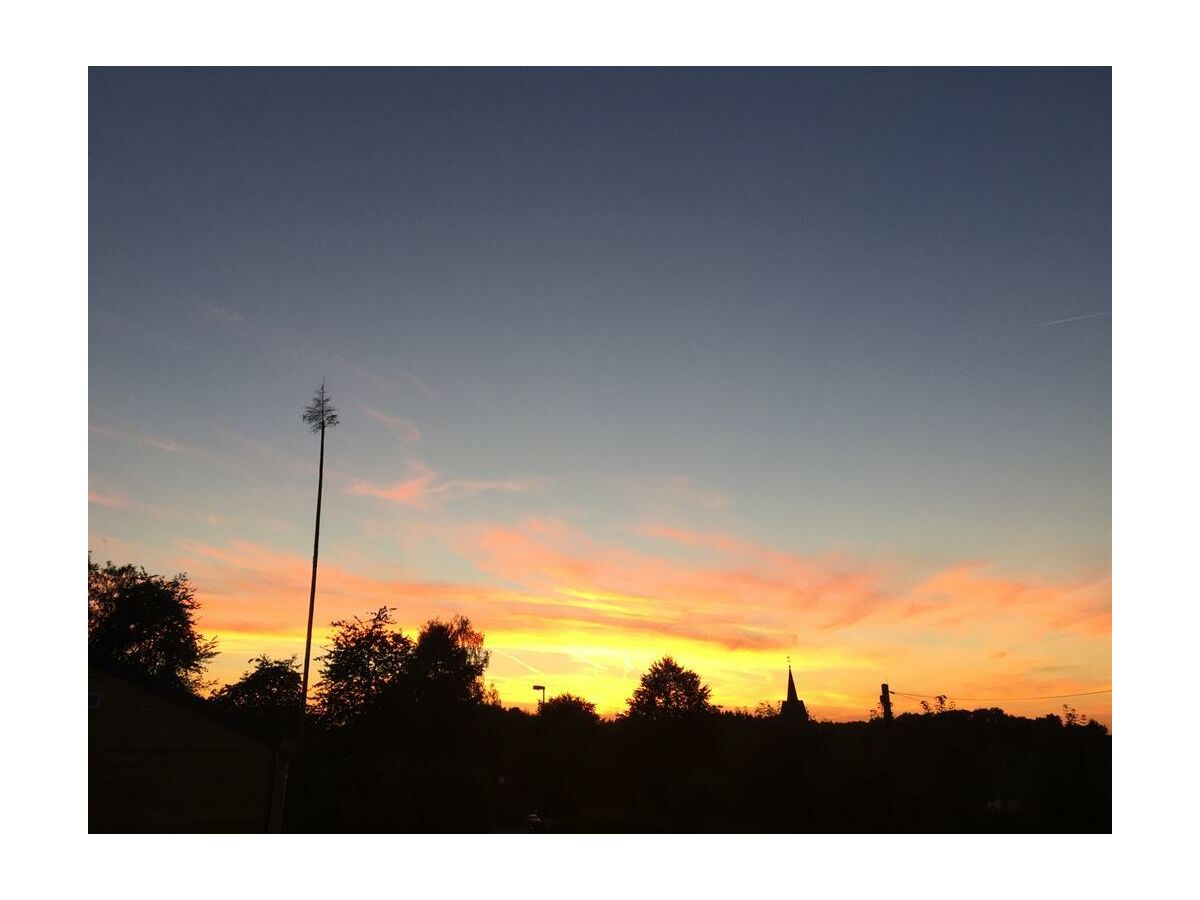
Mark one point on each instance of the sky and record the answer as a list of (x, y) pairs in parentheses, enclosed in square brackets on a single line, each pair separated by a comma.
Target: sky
[(741, 366)]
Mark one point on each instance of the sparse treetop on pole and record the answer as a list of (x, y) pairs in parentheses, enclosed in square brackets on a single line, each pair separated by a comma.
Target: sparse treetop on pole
[(320, 414)]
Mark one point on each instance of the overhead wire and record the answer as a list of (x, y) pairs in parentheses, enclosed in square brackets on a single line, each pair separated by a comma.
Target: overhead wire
[(997, 699)]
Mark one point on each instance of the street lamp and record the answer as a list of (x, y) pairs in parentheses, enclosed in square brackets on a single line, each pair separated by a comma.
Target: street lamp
[(542, 688)]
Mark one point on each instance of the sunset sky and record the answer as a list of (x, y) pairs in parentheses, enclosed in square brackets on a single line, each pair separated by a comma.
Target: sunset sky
[(735, 365)]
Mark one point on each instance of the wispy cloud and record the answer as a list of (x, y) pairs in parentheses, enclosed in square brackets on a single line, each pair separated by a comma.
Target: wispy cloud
[(406, 429), (110, 499), (146, 440), (422, 488), (247, 586), (385, 382), (113, 501), (748, 594), (969, 591), (761, 598), (270, 340), (671, 490)]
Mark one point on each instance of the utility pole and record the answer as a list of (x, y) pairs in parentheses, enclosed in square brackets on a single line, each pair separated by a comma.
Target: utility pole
[(319, 415), (888, 737)]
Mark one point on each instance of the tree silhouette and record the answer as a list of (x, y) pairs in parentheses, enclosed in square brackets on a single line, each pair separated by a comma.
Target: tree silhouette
[(147, 622), (367, 658), (447, 663), (372, 663), (267, 695), (669, 691), (1071, 717), (568, 708), (767, 709), (940, 705), (319, 415)]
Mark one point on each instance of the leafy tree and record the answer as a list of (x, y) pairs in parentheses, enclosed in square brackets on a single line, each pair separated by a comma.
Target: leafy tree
[(373, 664), (568, 708), (940, 705), (767, 710), (447, 663), (267, 695), (669, 691), (1071, 717), (367, 658), (147, 622)]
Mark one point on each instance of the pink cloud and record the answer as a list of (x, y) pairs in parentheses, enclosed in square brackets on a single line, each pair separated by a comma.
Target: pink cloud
[(750, 593), (735, 602), (245, 586), (968, 591), (114, 501), (423, 489)]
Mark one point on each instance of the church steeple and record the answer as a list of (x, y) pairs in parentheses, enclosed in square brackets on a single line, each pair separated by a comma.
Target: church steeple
[(793, 706)]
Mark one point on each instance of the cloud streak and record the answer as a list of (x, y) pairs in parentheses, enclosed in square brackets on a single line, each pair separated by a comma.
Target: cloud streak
[(116, 500), (672, 490), (744, 594), (422, 488), (112, 501), (1095, 315), (145, 440), (407, 430)]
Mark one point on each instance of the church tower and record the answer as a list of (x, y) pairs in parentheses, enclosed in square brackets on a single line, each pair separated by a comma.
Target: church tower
[(793, 706)]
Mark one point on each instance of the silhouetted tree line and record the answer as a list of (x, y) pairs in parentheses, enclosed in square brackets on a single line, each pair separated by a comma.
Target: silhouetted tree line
[(405, 735)]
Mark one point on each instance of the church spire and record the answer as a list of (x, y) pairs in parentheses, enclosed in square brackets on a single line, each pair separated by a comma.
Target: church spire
[(793, 706)]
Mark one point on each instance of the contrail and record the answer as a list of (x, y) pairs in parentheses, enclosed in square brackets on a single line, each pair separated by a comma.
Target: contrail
[(1073, 319), (535, 671)]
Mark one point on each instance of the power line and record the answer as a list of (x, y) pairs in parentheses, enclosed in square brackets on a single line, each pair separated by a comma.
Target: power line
[(998, 699)]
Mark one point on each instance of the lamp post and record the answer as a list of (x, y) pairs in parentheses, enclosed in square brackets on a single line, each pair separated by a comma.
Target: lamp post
[(542, 688)]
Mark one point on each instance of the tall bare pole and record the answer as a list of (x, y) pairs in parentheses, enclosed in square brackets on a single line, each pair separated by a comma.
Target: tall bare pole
[(319, 415)]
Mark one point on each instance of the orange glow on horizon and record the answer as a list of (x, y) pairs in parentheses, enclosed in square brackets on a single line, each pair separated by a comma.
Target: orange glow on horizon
[(589, 618)]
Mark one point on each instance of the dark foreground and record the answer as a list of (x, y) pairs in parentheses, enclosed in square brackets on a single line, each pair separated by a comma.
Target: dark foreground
[(487, 769)]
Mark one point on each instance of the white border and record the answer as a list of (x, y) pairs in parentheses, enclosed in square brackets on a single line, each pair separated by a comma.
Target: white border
[(1154, 448)]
